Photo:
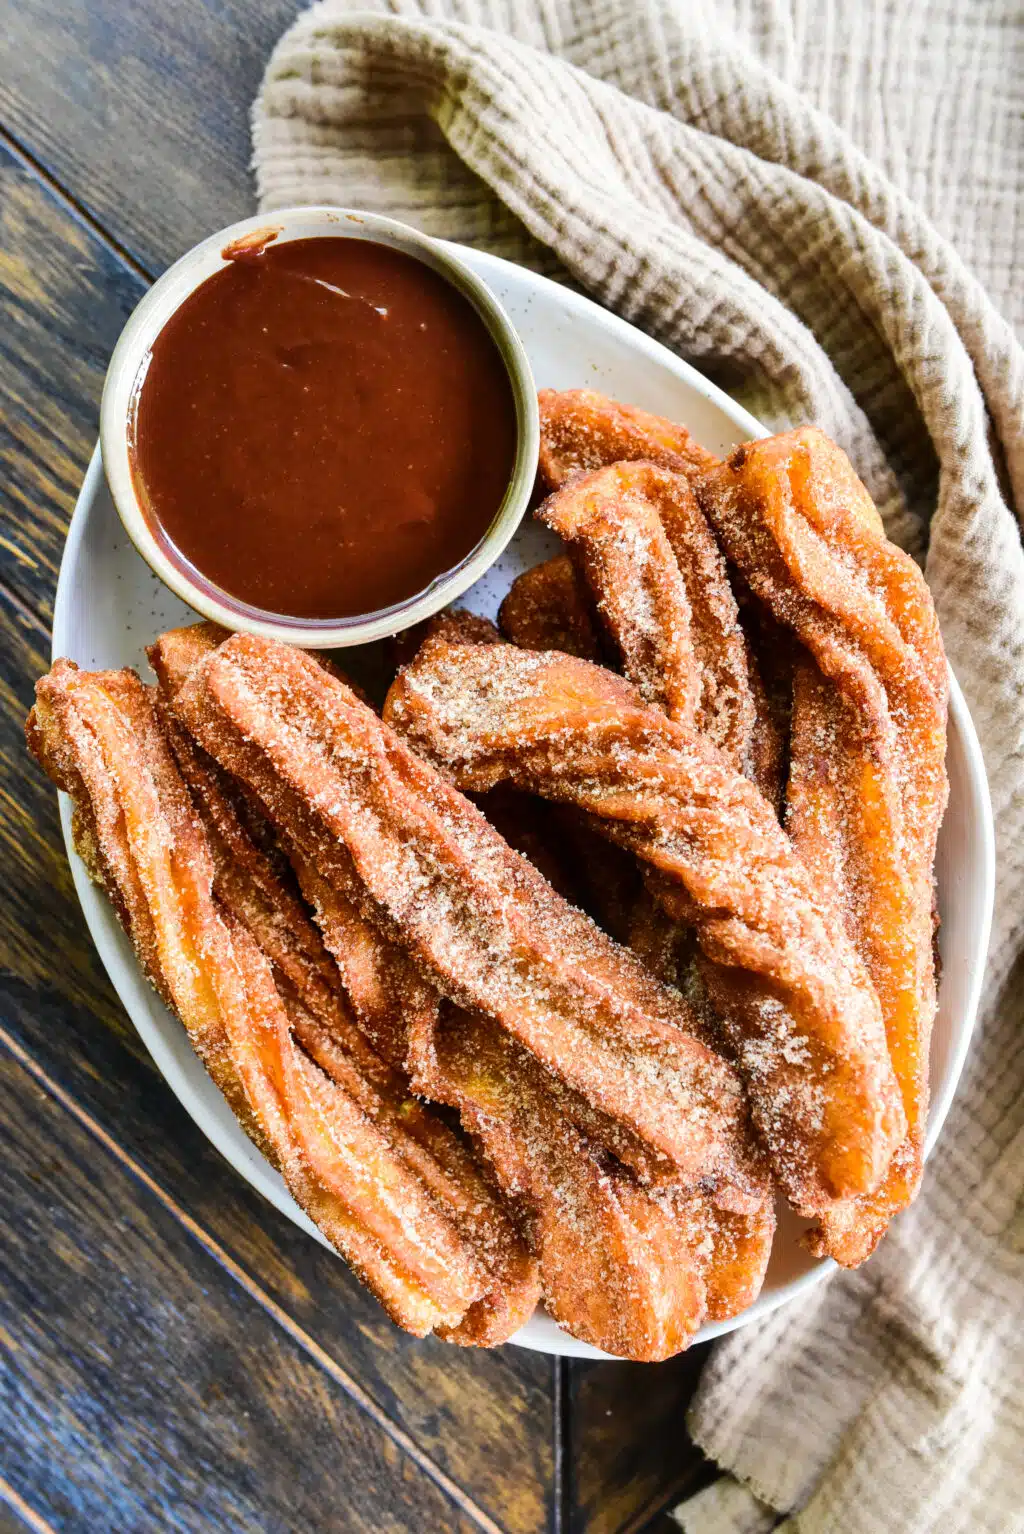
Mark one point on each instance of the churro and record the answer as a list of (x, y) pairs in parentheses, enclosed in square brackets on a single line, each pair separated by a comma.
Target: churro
[(566, 1038), (548, 608), (99, 738), (800, 1011), (475, 916), (662, 591), (581, 429), (632, 1272), (867, 783)]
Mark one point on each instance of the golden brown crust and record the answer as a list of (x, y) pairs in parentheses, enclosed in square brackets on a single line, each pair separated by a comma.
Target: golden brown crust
[(867, 779), (473, 914), (604, 880), (96, 736), (348, 1149), (626, 1270), (255, 886), (454, 1174), (649, 568), (396, 1005), (549, 608), (581, 430), (611, 519), (344, 1170), (174, 653), (320, 905), (661, 588), (801, 1012), (459, 625), (741, 1245)]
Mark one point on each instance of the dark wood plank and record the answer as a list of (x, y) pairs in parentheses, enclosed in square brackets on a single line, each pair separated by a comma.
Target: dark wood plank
[(64, 298), (16, 1516), (629, 1454), (661, 1523), (142, 110), (484, 1417), (146, 1390)]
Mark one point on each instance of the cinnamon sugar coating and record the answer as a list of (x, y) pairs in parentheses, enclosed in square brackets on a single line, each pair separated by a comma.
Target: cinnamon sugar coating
[(348, 940), (476, 917), (341, 1146), (631, 1271), (581, 429), (604, 880), (548, 608), (611, 519), (662, 591), (725, 1249), (393, 1004), (794, 996), (867, 785)]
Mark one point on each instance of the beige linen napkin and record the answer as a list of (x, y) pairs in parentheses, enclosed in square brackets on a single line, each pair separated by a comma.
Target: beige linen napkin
[(772, 189)]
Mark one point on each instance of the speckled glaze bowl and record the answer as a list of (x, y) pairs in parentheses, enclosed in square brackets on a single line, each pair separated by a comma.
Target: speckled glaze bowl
[(124, 379)]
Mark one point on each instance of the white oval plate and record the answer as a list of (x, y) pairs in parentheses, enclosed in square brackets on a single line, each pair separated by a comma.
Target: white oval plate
[(109, 606)]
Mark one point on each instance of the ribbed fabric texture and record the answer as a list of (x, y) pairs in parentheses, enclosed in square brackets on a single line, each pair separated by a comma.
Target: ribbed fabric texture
[(817, 203)]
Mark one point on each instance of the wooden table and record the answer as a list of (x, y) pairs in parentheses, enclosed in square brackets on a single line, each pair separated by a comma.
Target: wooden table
[(177, 1355)]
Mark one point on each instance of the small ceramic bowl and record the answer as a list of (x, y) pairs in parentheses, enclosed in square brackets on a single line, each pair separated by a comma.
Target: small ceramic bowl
[(134, 346)]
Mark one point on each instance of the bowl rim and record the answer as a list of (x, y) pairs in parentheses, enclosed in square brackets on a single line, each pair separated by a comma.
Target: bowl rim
[(165, 297)]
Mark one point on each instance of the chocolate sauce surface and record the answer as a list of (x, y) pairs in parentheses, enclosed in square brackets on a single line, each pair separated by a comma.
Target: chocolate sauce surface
[(323, 428)]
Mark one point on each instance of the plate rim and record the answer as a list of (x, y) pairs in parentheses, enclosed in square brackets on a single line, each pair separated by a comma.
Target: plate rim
[(131, 986)]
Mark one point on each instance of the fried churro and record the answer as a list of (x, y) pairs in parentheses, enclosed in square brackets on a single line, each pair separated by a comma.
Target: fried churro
[(867, 782), (451, 1171), (802, 1016), (588, 870), (624, 503), (663, 1251), (394, 1005), (632, 1272), (406, 996), (581, 429), (611, 519), (99, 738), (662, 591), (474, 915), (548, 607)]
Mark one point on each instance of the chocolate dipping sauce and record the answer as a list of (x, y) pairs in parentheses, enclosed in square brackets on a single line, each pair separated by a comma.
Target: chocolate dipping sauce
[(323, 428)]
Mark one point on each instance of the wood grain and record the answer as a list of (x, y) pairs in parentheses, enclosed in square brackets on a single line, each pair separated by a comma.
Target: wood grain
[(628, 1452), (144, 1389), (142, 110), (16, 1516), (64, 298)]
